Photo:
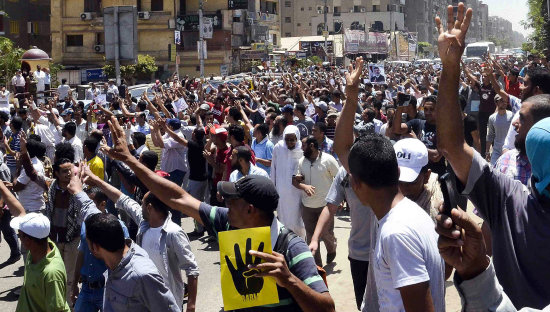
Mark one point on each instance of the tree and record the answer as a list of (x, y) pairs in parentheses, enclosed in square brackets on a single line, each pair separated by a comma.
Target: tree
[(9, 62), (143, 69), (503, 43), (424, 48), (538, 20)]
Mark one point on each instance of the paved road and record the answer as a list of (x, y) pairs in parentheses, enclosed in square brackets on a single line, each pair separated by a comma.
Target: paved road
[(209, 293)]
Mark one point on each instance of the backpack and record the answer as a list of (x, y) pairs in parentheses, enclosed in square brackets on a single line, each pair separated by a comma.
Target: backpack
[(284, 238)]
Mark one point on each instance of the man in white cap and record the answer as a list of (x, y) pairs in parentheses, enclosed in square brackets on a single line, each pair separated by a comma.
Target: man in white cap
[(45, 280), (416, 181)]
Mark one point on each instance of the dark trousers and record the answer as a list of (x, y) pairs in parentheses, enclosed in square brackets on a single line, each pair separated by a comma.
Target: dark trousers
[(177, 177), (359, 270), (310, 217), (9, 233), (482, 120)]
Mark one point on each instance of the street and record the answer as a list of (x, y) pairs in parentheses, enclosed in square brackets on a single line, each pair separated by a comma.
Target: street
[(209, 292)]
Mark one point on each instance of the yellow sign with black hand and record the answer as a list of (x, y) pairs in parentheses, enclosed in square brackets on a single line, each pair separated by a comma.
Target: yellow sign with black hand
[(241, 288)]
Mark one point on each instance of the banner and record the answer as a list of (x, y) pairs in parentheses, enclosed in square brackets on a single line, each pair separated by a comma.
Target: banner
[(240, 287), (377, 43), (355, 41), (376, 74), (177, 37), (207, 28)]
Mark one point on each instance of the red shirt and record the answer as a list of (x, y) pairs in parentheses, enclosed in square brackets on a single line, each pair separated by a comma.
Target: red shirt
[(219, 114), (221, 157), (512, 88)]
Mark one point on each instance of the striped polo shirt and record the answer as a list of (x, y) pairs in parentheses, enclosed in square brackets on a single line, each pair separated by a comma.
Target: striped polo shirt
[(298, 258)]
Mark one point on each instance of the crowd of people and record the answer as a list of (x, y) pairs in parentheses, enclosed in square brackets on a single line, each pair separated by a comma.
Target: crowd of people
[(93, 196)]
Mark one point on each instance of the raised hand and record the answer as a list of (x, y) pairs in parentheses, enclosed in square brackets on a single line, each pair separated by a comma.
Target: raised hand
[(89, 178), (245, 279), (451, 42), (119, 150), (353, 76)]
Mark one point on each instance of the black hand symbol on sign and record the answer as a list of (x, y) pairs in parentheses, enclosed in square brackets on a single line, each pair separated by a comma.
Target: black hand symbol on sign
[(246, 283)]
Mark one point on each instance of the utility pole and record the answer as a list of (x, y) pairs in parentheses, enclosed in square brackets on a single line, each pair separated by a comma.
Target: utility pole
[(325, 9), (201, 41), (117, 48)]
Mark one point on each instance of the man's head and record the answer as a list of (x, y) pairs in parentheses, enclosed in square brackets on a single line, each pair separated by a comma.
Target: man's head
[(532, 110), (174, 124), (299, 110), (69, 130), (236, 135), (412, 159), (138, 139), (331, 119), (536, 81), (368, 114), (38, 67), (99, 198), (321, 108), (16, 124), (336, 96), (234, 115), (218, 135), (104, 235), (500, 102), (376, 71), (288, 111), (319, 130), (310, 146), (513, 75), (198, 134), (429, 108), (291, 136), (241, 158), (33, 230), (373, 164), (261, 131), (90, 147), (150, 159), (251, 201), (154, 209), (36, 148), (63, 81)]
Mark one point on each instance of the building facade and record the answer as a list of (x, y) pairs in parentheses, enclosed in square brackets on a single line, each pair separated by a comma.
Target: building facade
[(307, 18), (26, 23)]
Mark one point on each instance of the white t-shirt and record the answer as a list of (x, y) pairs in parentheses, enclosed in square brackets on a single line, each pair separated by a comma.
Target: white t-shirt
[(31, 197), (406, 253), (151, 244), (63, 91), (40, 78), (5, 101)]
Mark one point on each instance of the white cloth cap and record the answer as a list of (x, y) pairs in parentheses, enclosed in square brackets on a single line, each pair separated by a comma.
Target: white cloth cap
[(412, 156), (33, 224)]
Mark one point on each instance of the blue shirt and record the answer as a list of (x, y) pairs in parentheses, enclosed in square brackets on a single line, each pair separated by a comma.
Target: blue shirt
[(93, 268), (254, 170), (263, 150), (15, 146)]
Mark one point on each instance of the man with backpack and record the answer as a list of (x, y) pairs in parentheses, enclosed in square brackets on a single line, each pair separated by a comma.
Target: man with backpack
[(252, 202)]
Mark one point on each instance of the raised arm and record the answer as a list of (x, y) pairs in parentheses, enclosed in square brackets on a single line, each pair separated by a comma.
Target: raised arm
[(169, 193), (343, 137), (450, 126)]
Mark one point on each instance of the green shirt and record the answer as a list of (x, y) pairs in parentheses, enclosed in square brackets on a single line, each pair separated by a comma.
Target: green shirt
[(44, 284)]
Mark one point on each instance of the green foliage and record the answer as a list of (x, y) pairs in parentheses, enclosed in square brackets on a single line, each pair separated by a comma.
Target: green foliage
[(503, 43), (143, 69), (424, 48), (538, 20), (9, 62), (54, 69)]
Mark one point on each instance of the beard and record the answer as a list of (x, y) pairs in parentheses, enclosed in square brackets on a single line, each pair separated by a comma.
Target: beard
[(236, 166), (307, 153), (520, 145)]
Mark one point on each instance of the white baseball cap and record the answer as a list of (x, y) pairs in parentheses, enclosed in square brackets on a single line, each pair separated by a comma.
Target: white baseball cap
[(412, 156), (33, 224)]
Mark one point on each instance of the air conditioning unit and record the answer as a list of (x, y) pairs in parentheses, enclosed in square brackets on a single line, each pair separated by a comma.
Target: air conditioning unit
[(86, 16), (319, 11), (99, 48), (363, 10), (144, 15)]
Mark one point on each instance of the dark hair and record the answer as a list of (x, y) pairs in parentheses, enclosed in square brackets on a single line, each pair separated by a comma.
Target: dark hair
[(540, 77), (540, 106), (514, 72), (312, 140), (142, 105), (63, 81), (60, 161), (321, 126), (157, 204), (372, 161), (301, 108), (431, 98), (91, 144), (377, 104), (35, 137), (4, 116), (244, 152), (99, 195), (70, 128), (97, 135), (150, 159), (264, 129), (371, 114), (22, 111), (199, 134), (237, 131), (105, 230), (36, 148), (140, 138), (235, 113), (64, 150), (17, 123)]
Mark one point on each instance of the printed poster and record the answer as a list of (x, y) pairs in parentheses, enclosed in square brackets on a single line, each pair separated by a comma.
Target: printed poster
[(240, 288), (376, 74)]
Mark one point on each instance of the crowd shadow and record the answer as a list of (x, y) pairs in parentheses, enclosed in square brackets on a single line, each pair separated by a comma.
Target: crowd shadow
[(9, 295), (329, 268)]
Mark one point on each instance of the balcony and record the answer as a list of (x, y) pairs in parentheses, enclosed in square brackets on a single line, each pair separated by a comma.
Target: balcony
[(267, 18)]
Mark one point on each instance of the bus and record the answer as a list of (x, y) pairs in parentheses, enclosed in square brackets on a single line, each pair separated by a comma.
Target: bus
[(479, 49)]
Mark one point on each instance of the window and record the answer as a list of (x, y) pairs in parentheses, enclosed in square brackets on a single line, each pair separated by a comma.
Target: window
[(310, 8), (376, 8), (288, 20), (288, 4), (288, 34), (92, 6), (32, 28), (320, 29), (14, 27), (337, 27), (356, 9), (301, 9), (75, 40), (157, 5), (336, 9), (299, 24)]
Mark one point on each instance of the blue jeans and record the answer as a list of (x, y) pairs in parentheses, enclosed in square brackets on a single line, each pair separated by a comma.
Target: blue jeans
[(177, 177), (89, 300)]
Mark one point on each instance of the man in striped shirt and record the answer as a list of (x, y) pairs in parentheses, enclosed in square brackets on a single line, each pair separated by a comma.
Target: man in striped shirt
[(252, 202)]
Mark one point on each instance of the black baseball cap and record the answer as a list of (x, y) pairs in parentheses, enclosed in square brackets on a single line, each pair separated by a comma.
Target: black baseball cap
[(256, 190)]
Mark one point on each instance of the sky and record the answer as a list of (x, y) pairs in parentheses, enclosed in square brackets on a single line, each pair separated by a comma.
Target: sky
[(513, 10)]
